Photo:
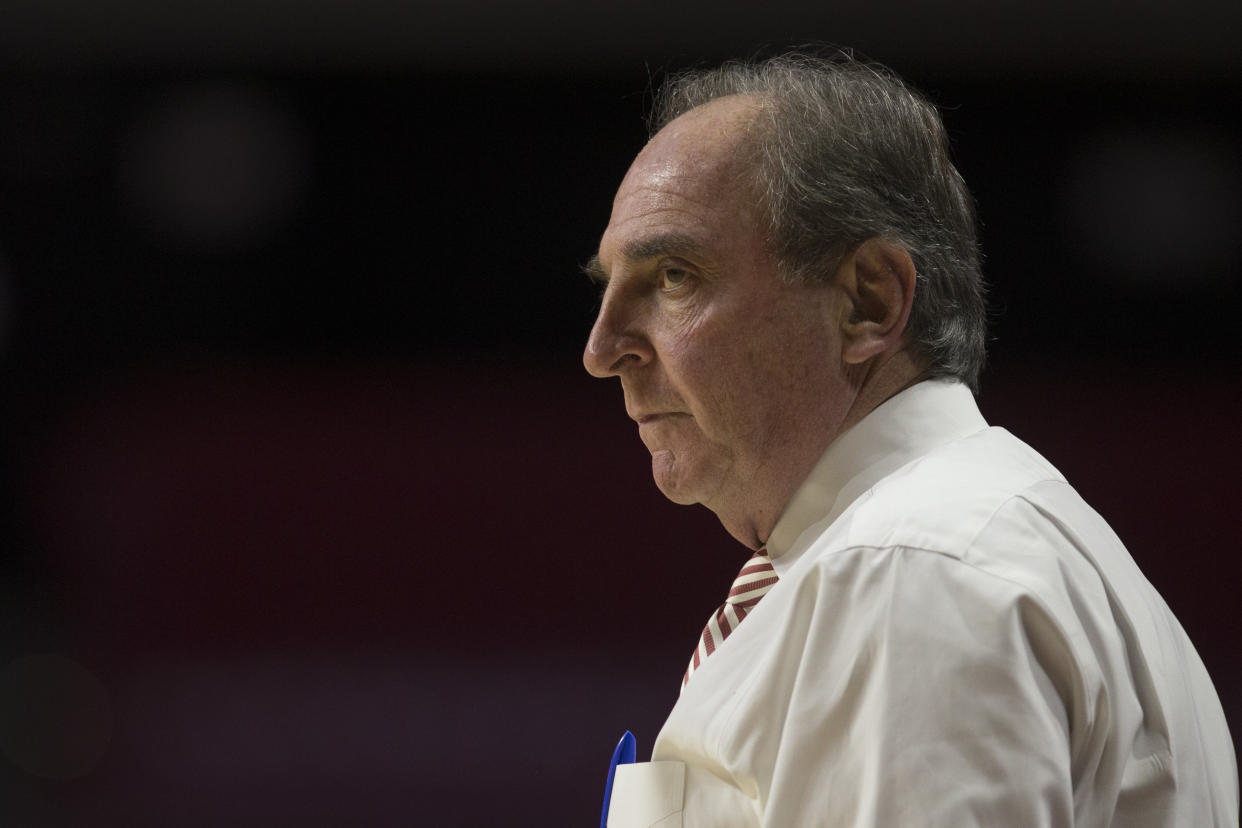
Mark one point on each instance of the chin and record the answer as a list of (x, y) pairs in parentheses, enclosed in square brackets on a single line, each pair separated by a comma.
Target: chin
[(671, 479), (679, 497)]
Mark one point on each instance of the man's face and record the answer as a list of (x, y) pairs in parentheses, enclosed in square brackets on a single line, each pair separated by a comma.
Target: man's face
[(734, 376)]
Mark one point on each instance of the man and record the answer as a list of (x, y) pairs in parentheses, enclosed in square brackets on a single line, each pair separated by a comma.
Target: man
[(935, 629)]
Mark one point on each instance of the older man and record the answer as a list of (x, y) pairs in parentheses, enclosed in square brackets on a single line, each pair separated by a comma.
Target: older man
[(934, 628)]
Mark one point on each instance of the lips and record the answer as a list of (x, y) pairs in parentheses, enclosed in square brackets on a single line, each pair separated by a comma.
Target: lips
[(646, 419)]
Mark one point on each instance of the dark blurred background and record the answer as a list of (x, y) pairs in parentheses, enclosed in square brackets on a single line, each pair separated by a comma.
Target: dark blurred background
[(310, 516)]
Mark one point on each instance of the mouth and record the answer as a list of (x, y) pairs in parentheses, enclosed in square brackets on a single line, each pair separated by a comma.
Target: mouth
[(647, 419)]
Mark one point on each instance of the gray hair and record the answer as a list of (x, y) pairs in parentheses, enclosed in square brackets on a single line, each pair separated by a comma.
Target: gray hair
[(849, 152)]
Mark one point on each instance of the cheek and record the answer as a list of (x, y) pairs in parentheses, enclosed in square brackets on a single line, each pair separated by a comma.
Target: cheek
[(729, 389), (737, 371)]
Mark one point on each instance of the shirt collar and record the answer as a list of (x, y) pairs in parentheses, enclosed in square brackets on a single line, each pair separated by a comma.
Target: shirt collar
[(902, 428)]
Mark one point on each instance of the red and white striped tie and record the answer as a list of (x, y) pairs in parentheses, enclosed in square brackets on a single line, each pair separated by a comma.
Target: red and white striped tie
[(751, 584)]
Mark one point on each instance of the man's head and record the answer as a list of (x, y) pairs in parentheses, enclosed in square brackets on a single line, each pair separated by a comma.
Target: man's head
[(845, 152), (740, 363)]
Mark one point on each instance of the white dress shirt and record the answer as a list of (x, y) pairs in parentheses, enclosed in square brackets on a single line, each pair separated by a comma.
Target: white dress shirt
[(957, 639)]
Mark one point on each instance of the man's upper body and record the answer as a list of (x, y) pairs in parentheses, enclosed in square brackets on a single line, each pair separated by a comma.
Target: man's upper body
[(792, 302), (956, 639)]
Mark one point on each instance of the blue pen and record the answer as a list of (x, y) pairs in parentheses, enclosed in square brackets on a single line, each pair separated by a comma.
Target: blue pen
[(623, 755)]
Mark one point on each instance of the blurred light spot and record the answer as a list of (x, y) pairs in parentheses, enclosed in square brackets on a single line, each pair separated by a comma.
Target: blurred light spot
[(1157, 208), (218, 166), (55, 716)]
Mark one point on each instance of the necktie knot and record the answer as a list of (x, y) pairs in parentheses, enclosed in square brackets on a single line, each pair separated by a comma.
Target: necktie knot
[(752, 583)]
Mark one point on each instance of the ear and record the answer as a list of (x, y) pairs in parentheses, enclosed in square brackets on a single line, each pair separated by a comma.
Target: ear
[(878, 282)]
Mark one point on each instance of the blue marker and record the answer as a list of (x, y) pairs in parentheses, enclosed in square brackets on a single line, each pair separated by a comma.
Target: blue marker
[(623, 755)]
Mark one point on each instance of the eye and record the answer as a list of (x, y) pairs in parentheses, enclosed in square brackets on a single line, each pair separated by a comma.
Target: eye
[(672, 278)]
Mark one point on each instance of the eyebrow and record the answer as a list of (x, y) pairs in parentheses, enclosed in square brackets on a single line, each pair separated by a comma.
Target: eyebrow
[(648, 247), (662, 244), (595, 271)]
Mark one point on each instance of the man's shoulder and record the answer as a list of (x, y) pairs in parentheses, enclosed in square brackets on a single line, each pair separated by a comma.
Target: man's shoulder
[(991, 512), (945, 499), (986, 513)]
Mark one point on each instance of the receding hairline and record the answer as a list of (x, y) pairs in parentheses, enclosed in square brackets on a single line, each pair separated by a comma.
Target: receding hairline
[(740, 154), (742, 117)]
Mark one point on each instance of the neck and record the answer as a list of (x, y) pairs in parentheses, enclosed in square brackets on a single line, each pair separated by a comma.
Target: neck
[(750, 515), (881, 382)]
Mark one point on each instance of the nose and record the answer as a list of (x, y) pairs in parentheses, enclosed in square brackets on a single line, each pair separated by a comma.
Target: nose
[(618, 340)]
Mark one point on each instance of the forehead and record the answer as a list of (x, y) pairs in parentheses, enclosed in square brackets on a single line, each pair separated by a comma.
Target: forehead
[(691, 181)]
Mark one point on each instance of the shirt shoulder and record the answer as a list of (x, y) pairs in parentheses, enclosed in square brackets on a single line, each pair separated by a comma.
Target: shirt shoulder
[(943, 501)]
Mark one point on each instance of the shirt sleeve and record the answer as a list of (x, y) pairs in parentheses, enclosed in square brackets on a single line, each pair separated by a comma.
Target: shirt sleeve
[(913, 689)]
